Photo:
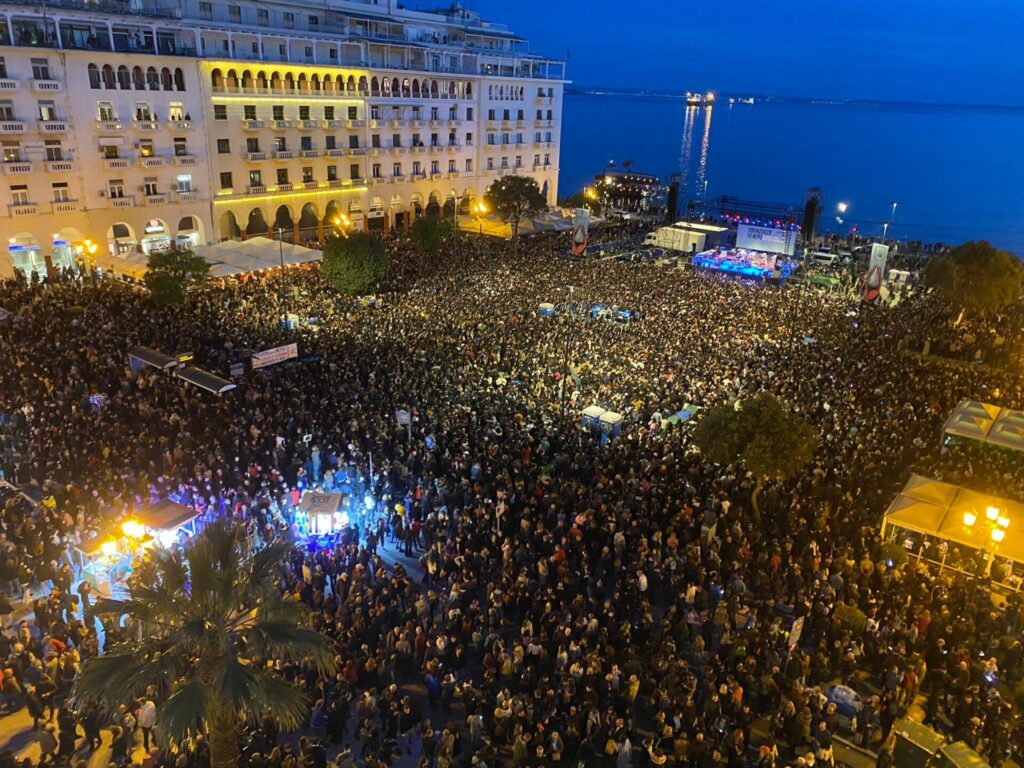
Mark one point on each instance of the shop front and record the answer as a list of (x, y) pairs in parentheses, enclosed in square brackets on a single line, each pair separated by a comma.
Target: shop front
[(156, 237)]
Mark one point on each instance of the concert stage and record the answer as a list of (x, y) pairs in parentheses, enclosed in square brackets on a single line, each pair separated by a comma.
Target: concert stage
[(745, 263)]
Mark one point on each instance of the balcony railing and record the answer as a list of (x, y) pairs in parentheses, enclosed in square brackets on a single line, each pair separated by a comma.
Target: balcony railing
[(310, 153), (7, 84), (59, 166), (53, 126), (284, 154), (309, 125), (186, 160), (12, 126), (17, 168), (110, 126), (254, 125), (156, 199), (337, 152), (147, 125), (46, 86), (254, 157), (22, 209), (256, 189), (281, 125), (65, 206), (117, 163), (127, 201), (355, 123), (188, 197), (153, 162), (180, 125)]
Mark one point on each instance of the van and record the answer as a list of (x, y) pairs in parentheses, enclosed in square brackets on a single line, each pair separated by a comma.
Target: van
[(821, 258)]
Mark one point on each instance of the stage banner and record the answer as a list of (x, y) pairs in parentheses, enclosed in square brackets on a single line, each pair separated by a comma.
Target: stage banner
[(580, 231), (876, 270), (768, 239), (275, 355)]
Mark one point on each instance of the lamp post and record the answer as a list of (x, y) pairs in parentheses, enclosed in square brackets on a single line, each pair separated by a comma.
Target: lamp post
[(996, 523), (280, 253), (479, 209)]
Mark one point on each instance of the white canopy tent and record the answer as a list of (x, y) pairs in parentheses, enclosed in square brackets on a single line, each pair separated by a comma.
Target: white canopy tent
[(235, 257), (987, 423)]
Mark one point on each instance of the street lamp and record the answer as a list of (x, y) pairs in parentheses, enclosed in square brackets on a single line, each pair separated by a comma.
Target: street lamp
[(479, 209), (885, 230), (842, 208), (996, 522)]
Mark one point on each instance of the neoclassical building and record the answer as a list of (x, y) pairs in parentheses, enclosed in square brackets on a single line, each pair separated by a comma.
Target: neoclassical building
[(131, 125)]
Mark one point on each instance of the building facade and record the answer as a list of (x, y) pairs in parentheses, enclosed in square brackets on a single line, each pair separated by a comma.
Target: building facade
[(131, 126)]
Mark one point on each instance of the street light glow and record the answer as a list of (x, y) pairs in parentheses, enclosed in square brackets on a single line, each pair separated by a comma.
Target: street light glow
[(842, 207)]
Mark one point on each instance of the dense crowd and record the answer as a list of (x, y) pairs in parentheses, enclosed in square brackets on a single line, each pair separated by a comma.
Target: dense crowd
[(522, 592)]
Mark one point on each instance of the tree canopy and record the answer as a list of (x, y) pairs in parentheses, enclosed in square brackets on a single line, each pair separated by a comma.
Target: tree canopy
[(580, 200), (976, 276), (355, 263), (514, 198), (769, 440), (429, 233), (170, 272), (201, 629)]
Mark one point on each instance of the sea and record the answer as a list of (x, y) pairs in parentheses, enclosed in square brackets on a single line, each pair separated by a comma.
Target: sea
[(956, 173)]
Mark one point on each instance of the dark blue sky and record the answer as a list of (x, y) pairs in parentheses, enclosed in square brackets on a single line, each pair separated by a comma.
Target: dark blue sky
[(960, 51)]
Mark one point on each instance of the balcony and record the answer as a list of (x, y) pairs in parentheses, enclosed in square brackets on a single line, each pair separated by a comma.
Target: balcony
[(7, 84), (59, 166), (254, 125), (284, 154), (180, 125), (156, 199), (544, 101), (398, 179), (420, 149), (22, 209), (186, 160), (284, 188), (147, 125), (12, 126), (377, 180), (310, 153), (419, 177), (122, 202), (153, 162), (544, 123), (452, 175), (256, 189), (376, 151), (53, 126), (16, 168), (187, 197), (333, 183), (65, 206), (110, 126), (281, 125), (355, 123), (309, 125), (436, 148), (453, 123), (334, 153), (399, 123), (357, 151), (46, 86), (334, 123), (453, 147), (255, 157), (117, 163)]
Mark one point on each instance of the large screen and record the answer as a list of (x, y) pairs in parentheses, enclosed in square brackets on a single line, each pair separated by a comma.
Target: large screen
[(766, 239)]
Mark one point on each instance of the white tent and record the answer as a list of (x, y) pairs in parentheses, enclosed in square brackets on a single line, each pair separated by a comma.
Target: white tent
[(234, 257), (987, 423)]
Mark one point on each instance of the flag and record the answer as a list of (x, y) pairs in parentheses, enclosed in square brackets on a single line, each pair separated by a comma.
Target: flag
[(627, 163), (568, 54)]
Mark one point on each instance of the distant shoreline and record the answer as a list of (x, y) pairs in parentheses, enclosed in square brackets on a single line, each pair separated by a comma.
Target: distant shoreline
[(576, 90)]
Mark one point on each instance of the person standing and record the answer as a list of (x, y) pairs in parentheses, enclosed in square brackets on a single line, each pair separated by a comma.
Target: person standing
[(147, 720)]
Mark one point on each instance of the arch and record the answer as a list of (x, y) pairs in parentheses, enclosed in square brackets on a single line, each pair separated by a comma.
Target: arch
[(374, 86), (228, 228), (452, 91), (179, 79), (289, 82), (166, 80), (469, 90), (385, 87), (350, 84), (309, 222), (314, 83), (331, 212), (328, 84), (152, 79), (231, 79), (490, 91), (247, 81), (257, 223), (109, 81), (124, 78), (121, 238), (190, 233), (364, 87), (449, 205), (138, 79), (416, 205), (275, 81), (396, 87), (261, 80), (156, 236), (415, 87), (433, 88), (27, 254), (303, 83), (95, 81), (283, 219), (216, 78), (70, 235), (433, 209)]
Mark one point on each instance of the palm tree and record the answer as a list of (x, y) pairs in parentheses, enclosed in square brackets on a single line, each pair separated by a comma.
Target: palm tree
[(204, 627)]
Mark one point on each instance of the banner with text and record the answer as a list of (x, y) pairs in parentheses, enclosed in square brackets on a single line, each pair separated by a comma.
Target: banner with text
[(766, 239), (876, 271), (275, 355)]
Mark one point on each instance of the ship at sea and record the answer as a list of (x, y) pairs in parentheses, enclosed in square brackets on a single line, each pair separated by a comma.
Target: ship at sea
[(700, 100)]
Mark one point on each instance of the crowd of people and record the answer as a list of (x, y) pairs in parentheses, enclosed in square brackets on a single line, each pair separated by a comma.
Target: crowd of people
[(521, 592)]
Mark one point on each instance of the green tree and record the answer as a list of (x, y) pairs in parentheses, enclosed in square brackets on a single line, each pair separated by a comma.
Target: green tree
[(356, 263), (769, 440), (514, 198), (170, 272), (202, 628), (580, 200), (429, 234), (976, 276)]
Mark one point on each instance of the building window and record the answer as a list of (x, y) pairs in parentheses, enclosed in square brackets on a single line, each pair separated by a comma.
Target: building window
[(142, 111), (353, 172), (277, 111), (490, 163), (252, 145), (146, 148), (6, 111), (504, 163), (12, 152), (249, 111), (536, 160), (519, 161), (220, 111), (396, 169), (105, 111), (289, 20), (206, 11), (490, 114), (282, 175), (469, 165), (235, 14), (180, 147), (375, 170), (60, 192), (175, 111), (47, 110), (434, 113), (223, 146), (353, 142), (505, 114), (417, 168), (469, 139), (149, 186), (451, 139), (109, 152), (54, 151), (330, 142), (396, 140), (314, 21), (303, 112), (306, 143), (547, 159), (375, 140), (255, 179), (353, 113), (95, 81), (433, 140), (328, 113), (280, 144), (416, 140), (434, 168), (40, 69), (115, 188), (307, 174), (332, 173), (491, 140), (183, 182), (263, 17), (3, 67), (451, 166), (469, 113), (225, 180), (19, 194)]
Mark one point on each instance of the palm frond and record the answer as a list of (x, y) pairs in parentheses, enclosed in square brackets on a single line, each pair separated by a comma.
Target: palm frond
[(183, 715), (287, 705), (120, 676), (283, 640), (236, 684)]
